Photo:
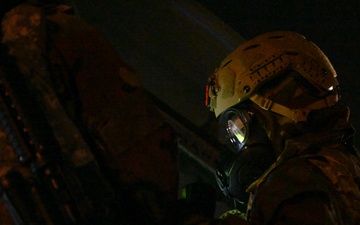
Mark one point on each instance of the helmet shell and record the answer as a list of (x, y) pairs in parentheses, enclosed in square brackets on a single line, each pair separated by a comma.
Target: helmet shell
[(262, 59)]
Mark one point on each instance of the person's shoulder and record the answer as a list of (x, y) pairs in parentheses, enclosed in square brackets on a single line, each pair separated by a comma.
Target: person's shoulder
[(294, 182), (314, 208), (293, 175)]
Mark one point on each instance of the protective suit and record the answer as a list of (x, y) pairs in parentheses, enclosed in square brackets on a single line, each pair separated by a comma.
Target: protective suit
[(305, 169), (90, 132)]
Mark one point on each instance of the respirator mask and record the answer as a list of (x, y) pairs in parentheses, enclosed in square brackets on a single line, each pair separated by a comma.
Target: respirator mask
[(248, 156)]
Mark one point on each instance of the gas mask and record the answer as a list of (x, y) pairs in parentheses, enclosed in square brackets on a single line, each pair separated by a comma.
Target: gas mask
[(248, 156)]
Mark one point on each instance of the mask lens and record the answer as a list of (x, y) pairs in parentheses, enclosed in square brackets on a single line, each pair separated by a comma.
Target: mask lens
[(235, 124), (236, 131)]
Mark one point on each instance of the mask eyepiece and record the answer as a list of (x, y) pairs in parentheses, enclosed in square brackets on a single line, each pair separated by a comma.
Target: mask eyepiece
[(235, 124)]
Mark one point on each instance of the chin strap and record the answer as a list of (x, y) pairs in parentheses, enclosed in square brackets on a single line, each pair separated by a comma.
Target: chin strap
[(297, 115)]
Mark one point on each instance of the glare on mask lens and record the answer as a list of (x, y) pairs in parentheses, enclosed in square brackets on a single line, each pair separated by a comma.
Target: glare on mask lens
[(236, 131)]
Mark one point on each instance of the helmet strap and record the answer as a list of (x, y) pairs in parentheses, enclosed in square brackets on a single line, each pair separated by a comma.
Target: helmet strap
[(296, 115)]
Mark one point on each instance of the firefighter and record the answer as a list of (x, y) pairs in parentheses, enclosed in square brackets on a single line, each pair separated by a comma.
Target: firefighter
[(291, 157)]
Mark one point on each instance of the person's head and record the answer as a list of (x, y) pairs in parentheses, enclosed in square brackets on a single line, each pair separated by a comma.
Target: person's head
[(278, 73), (266, 84)]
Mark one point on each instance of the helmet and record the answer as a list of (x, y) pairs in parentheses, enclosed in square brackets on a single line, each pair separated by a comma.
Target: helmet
[(254, 65)]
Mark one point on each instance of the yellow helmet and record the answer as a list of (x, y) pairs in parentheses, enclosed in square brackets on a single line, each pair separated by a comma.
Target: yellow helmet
[(255, 63)]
